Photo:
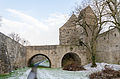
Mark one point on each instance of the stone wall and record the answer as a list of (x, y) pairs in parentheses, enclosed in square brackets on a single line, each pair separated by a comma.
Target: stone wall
[(108, 47), (12, 54), (56, 53)]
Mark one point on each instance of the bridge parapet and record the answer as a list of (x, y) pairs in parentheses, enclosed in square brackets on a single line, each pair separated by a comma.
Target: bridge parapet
[(46, 47), (55, 53)]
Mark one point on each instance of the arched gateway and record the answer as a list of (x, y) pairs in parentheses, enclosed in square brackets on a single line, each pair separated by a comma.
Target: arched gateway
[(58, 55), (70, 58), (37, 59)]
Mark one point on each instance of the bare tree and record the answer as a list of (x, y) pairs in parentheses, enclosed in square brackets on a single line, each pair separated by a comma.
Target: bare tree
[(17, 38), (92, 24), (78, 7), (114, 12)]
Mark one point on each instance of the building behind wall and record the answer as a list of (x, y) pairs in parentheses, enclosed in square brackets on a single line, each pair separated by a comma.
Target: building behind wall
[(108, 43), (72, 33)]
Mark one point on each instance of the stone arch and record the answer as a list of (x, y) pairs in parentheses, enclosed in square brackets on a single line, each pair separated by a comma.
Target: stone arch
[(29, 61), (69, 58)]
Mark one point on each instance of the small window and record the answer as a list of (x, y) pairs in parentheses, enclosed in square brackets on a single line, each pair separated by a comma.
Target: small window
[(104, 38), (115, 34), (116, 45)]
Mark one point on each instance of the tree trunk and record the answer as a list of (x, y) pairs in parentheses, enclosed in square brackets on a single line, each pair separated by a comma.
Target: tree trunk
[(93, 61), (93, 53)]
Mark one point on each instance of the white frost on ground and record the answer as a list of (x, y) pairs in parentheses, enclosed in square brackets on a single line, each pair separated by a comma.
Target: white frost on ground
[(21, 75), (100, 66), (47, 73), (58, 73)]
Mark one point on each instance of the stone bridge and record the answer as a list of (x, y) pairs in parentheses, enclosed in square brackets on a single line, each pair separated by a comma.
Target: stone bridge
[(56, 53)]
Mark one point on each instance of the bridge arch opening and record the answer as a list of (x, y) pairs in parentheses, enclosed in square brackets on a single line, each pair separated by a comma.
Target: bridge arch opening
[(70, 58), (39, 60)]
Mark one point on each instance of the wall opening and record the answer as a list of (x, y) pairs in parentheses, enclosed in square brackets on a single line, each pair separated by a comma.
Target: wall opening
[(70, 58), (39, 60)]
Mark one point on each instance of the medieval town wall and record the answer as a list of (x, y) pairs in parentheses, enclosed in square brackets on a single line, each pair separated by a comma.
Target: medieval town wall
[(108, 47), (12, 54)]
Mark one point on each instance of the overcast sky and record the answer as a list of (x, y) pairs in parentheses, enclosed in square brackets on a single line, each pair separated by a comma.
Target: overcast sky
[(38, 21)]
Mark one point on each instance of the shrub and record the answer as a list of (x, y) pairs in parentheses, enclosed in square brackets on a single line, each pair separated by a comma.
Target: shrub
[(73, 67), (108, 73)]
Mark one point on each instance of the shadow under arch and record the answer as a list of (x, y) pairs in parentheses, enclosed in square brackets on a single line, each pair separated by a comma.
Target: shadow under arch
[(70, 58), (30, 60)]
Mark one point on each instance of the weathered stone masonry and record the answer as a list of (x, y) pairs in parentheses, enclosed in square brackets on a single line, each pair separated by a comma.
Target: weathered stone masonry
[(55, 53), (108, 47), (12, 54)]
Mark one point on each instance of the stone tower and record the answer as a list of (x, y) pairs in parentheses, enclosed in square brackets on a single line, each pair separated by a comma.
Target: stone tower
[(67, 32), (88, 19), (71, 33)]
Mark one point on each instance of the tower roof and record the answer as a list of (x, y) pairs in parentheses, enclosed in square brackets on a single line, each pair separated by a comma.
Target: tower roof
[(86, 11), (71, 22)]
